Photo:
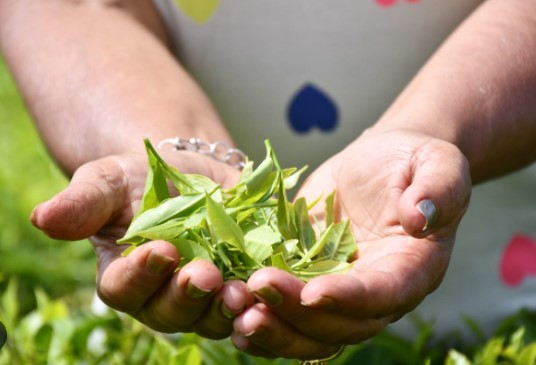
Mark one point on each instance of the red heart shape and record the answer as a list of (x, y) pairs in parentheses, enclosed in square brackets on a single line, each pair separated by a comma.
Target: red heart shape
[(518, 260)]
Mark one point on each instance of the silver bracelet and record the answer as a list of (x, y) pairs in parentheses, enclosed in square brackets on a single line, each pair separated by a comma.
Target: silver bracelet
[(219, 151)]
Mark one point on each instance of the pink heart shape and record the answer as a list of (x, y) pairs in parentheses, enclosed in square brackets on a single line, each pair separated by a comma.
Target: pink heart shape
[(518, 260), (393, 2), (386, 2)]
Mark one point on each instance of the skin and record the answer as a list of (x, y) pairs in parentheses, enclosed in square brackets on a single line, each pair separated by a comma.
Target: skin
[(475, 124)]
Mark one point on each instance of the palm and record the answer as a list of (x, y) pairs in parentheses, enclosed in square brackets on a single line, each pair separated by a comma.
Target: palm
[(378, 182), (371, 195)]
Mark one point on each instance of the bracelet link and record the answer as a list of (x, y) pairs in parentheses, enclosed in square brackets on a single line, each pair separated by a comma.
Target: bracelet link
[(219, 151)]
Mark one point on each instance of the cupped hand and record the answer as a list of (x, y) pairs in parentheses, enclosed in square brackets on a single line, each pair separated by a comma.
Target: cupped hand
[(99, 204), (404, 194)]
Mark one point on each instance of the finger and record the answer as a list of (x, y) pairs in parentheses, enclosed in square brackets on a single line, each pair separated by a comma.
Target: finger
[(439, 191), (282, 293), (258, 329), (183, 299), (97, 190), (228, 303), (127, 283), (382, 284), (243, 344)]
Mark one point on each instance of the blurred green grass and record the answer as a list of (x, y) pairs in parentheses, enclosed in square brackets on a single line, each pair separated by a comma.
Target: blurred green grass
[(28, 176)]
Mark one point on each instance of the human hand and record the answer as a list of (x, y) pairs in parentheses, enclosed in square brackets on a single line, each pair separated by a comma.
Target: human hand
[(99, 203), (384, 181)]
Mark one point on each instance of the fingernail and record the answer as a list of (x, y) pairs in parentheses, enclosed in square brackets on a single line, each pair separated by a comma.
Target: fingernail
[(33, 215), (258, 335), (226, 312), (158, 264), (268, 295), (196, 292), (324, 303), (429, 211), (240, 341)]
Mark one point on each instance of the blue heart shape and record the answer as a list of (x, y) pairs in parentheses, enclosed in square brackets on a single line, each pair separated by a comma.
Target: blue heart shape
[(311, 107)]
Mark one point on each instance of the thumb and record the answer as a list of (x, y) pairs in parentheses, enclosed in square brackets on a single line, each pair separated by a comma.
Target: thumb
[(439, 192), (96, 191)]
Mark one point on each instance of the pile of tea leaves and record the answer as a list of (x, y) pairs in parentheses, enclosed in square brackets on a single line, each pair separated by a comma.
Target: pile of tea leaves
[(242, 229)]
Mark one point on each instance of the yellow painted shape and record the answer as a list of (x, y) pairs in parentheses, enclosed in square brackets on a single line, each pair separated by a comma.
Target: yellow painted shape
[(199, 10)]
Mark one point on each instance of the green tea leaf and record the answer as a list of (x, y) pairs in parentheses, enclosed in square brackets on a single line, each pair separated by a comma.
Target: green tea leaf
[(197, 219), (185, 184), (317, 247), (254, 183), (285, 215), (168, 209), (189, 354), (456, 358), (245, 214), (156, 189), (263, 191), (291, 177), (528, 355), (191, 184), (10, 304), (322, 268), (490, 353), (162, 352), (223, 227), (340, 243), (330, 205), (191, 250), (165, 231), (279, 262), (259, 241), (306, 233), (236, 263)]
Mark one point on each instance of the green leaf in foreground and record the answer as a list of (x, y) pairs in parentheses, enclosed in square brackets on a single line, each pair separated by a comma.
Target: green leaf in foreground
[(244, 228), (222, 226)]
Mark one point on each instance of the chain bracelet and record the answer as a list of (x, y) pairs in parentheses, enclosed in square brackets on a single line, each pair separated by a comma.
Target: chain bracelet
[(219, 151)]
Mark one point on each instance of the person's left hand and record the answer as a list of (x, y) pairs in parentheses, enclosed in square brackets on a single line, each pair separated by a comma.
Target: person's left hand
[(385, 182)]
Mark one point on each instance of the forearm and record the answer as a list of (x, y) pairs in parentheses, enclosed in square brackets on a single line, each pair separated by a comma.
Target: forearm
[(479, 90), (96, 79)]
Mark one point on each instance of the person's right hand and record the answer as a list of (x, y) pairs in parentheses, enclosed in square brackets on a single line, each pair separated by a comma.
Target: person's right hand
[(99, 204)]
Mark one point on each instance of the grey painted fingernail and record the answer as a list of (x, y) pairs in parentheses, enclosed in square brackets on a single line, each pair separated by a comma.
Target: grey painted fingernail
[(268, 295), (196, 292), (324, 303), (158, 264), (258, 334), (429, 211), (226, 312)]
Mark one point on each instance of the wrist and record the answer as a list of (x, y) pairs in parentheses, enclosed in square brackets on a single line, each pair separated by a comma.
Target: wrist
[(433, 120), (433, 123)]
